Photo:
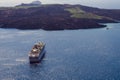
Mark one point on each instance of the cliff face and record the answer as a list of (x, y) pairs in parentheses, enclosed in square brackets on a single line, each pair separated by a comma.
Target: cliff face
[(55, 17)]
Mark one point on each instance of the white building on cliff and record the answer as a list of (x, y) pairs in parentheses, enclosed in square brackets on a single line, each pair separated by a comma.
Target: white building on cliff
[(35, 3)]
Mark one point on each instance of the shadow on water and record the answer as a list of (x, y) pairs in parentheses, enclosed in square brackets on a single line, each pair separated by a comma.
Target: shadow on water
[(36, 71)]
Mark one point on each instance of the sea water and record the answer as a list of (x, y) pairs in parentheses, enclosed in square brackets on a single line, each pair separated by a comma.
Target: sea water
[(85, 54)]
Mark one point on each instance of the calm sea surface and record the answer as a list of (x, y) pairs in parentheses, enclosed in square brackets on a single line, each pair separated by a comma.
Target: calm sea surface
[(92, 54)]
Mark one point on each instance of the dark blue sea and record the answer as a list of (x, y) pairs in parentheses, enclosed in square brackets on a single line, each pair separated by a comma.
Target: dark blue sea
[(91, 54)]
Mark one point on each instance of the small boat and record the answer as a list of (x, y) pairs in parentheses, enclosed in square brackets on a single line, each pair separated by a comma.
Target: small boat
[(37, 53), (107, 28)]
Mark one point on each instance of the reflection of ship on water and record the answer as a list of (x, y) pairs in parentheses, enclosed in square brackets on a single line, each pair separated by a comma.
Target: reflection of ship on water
[(37, 53)]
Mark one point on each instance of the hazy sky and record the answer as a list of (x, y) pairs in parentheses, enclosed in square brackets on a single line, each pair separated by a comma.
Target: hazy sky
[(115, 4)]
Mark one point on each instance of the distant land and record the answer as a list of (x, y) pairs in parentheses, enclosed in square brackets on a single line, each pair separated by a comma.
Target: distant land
[(56, 16)]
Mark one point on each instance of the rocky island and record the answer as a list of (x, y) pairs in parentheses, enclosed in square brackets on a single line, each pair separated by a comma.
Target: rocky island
[(56, 16)]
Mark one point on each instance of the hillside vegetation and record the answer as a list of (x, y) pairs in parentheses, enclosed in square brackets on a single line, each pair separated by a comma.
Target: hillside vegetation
[(79, 13)]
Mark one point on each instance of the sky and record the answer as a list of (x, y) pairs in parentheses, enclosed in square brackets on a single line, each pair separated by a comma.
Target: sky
[(108, 4)]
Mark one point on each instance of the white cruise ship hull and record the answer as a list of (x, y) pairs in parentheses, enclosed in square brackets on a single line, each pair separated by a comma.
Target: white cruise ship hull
[(37, 59)]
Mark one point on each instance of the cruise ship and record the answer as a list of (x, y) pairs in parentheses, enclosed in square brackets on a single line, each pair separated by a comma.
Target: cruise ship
[(37, 52)]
